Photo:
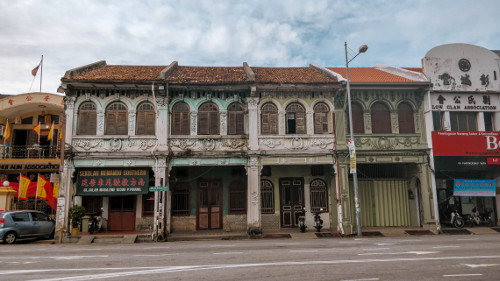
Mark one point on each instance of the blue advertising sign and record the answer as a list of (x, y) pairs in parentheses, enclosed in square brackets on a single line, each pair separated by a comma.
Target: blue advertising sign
[(466, 187)]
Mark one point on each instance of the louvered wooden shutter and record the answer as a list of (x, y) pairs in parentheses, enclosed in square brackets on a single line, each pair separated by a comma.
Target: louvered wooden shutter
[(122, 128), (300, 119), (203, 123), (318, 124), (381, 119), (214, 123), (111, 123)]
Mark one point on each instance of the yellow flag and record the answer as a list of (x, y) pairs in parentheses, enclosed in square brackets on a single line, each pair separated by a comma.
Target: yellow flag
[(56, 190), (24, 183), (40, 188), (6, 131), (37, 129), (60, 131), (51, 132)]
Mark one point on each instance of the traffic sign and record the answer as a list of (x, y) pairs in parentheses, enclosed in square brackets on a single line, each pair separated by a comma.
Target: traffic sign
[(158, 188)]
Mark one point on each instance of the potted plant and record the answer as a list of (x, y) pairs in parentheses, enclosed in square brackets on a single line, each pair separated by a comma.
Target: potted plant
[(76, 214)]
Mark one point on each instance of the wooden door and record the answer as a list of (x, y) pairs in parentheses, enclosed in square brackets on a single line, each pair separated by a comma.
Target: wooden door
[(291, 201), (209, 204), (121, 213)]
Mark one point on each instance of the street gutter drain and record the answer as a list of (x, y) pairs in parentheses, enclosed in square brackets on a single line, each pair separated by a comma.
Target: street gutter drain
[(419, 232)]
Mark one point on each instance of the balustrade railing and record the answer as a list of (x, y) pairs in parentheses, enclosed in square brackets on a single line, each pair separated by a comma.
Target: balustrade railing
[(29, 151)]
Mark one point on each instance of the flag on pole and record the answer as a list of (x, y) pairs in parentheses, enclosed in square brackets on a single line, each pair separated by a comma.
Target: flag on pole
[(6, 131), (60, 131), (24, 183), (40, 188), (37, 129), (51, 132), (55, 192), (35, 70)]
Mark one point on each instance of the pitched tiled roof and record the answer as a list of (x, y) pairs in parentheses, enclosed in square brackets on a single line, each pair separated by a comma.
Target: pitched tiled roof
[(207, 75), (290, 75), (368, 74), (121, 73)]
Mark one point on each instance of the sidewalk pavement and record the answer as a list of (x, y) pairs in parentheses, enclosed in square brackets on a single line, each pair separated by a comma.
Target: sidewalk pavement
[(292, 233)]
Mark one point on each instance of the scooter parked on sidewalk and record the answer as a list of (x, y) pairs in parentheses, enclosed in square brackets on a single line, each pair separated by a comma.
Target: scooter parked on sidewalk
[(456, 219), (318, 222), (477, 219), (95, 222), (302, 220)]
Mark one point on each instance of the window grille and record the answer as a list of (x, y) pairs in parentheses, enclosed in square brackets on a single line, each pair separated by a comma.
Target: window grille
[(266, 197), (237, 198), (319, 196), (180, 199)]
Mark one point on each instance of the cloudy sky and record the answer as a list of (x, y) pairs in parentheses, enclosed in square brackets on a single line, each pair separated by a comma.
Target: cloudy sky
[(281, 33)]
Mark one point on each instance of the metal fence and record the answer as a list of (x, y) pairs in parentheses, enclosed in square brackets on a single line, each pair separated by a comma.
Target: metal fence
[(30, 151)]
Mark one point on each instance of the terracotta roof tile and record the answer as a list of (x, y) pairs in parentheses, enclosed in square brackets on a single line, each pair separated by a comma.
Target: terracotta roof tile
[(367, 74), (290, 75), (121, 73), (207, 75)]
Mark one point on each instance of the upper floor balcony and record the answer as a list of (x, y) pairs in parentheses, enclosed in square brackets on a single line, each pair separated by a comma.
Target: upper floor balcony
[(35, 151)]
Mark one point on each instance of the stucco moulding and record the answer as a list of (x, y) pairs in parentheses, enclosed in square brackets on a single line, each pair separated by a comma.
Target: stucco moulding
[(226, 144), (296, 143), (115, 144)]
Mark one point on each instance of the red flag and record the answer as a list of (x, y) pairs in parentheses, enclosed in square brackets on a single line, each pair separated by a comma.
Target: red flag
[(35, 70)]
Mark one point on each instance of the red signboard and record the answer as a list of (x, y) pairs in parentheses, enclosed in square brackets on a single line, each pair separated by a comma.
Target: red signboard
[(455, 143), (493, 160)]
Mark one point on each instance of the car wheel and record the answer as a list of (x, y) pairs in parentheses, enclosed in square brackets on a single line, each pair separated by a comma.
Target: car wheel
[(10, 237)]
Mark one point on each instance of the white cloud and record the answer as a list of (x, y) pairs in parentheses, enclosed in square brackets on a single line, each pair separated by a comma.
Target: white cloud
[(264, 33)]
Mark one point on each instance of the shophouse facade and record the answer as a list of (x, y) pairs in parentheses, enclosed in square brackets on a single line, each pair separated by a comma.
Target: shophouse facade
[(240, 148), (463, 118), (25, 152)]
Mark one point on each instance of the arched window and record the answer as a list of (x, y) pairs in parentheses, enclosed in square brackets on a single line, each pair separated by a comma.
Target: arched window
[(116, 119), (266, 197), (180, 119), (381, 119), (319, 196), (87, 119), (237, 198), (145, 122), (208, 119), (321, 118), (295, 119), (405, 119), (358, 122), (269, 119), (235, 119)]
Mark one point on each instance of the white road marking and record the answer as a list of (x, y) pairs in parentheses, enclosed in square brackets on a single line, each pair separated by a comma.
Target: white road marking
[(468, 239), (219, 246), (376, 249), (366, 279), (303, 251), (399, 253), (384, 244), (159, 255), (442, 247), (478, 265), (158, 270), (227, 253), (56, 257), (463, 275)]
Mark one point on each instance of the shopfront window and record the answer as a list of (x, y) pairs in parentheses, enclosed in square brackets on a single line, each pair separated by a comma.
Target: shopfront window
[(463, 121)]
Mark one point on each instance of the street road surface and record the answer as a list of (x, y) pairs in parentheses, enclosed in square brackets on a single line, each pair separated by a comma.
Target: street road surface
[(443, 257)]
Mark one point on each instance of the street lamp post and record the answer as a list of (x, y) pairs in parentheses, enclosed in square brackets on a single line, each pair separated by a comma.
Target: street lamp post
[(352, 147)]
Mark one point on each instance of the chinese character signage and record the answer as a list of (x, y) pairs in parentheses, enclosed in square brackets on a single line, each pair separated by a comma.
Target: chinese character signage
[(112, 181), (464, 102), (465, 187)]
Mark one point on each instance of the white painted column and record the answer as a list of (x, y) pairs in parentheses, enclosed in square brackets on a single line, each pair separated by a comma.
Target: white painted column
[(253, 198), (253, 123), (162, 124)]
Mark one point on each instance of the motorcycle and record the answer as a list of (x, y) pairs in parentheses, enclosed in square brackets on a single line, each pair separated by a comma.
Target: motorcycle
[(456, 220), (95, 222), (318, 222), (475, 218), (302, 220)]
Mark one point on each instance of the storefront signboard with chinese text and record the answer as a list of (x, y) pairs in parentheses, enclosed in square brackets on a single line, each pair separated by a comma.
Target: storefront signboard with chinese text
[(112, 181)]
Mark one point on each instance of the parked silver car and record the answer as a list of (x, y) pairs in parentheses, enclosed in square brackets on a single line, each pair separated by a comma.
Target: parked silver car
[(25, 224)]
